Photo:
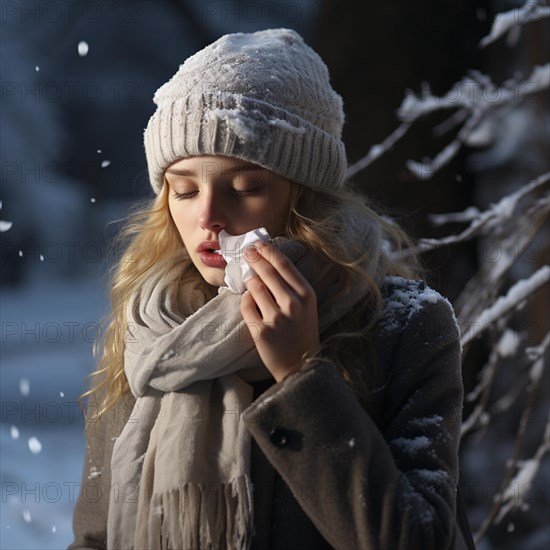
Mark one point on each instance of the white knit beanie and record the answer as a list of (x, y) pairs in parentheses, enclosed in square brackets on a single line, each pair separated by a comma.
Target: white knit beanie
[(263, 97)]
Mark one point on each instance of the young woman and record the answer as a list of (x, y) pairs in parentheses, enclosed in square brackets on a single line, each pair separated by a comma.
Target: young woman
[(321, 407)]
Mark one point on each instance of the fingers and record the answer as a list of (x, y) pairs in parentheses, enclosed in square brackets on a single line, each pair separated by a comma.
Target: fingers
[(267, 304), (275, 269), (278, 299), (249, 309)]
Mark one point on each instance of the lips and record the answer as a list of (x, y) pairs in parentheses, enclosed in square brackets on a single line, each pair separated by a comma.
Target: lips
[(209, 246), (210, 254)]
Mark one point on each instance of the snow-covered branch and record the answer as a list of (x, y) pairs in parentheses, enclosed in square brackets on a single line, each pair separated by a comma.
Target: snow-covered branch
[(518, 488), (474, 93), (515, 296), (477, 99), (468, 215), (506, 246), (511, 21), (536, 354), (506, 347), (378, 150), (494, 216)]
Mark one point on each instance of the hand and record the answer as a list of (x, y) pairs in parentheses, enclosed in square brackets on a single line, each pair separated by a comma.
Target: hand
[(280, 310)]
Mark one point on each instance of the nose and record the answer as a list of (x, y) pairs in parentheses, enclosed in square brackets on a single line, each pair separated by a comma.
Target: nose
[(212, 214)]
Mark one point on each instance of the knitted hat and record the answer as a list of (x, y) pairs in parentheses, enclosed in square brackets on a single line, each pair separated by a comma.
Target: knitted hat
[(263, 97)]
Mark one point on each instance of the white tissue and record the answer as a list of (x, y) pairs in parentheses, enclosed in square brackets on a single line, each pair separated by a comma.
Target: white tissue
[(232, 248)]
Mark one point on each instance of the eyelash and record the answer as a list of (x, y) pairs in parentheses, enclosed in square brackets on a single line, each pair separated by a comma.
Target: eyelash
[(182, 196), (191, 194)]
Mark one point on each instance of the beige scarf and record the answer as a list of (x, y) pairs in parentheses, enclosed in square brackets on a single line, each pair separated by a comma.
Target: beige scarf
[(181, 466)]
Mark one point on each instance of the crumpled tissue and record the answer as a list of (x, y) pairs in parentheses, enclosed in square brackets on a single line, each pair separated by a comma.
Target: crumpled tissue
[(232, 248)]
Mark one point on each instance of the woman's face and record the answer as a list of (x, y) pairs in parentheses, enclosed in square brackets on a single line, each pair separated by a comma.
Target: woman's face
[(211, 193)]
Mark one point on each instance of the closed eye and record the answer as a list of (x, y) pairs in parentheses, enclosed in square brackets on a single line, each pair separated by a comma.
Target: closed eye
[(246, 192), (239, 193), (183, 196)]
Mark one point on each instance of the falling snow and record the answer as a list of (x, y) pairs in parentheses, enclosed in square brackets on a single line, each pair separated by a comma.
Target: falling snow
[(34, 445), (24, 386), (83, 48)]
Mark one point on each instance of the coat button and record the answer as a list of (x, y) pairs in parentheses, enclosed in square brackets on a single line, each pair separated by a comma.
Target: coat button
[(279, 437)]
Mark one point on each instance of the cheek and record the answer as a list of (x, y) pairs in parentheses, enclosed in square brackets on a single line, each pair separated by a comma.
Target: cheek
[(179, 218), (173, 214), (279, 211)]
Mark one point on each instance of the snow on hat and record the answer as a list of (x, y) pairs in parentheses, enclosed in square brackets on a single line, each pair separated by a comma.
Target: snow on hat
[(263, 97)]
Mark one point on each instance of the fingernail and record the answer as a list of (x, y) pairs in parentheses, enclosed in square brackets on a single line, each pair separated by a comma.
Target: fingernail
[(249, 253)]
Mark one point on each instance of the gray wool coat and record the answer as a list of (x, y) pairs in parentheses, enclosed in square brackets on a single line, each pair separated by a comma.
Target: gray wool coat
[(326, 472)]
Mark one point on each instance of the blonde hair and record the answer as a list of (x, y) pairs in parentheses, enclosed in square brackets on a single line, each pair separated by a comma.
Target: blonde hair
[(312, 221), (150, 236)]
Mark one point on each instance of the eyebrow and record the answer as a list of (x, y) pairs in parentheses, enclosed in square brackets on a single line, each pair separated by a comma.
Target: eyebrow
[(192, 173)]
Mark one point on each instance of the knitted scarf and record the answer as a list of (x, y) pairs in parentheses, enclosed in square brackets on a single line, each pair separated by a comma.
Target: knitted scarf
[(181, 466)]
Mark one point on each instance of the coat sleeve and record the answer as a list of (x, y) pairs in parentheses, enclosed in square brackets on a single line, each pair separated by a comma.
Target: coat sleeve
[(92, 506), (361, 485)]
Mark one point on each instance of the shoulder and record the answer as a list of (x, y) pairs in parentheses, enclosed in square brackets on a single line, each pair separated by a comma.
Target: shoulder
[(417, 344), (408, 303)]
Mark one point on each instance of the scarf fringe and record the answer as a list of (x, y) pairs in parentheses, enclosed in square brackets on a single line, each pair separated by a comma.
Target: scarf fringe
[(200, 516)]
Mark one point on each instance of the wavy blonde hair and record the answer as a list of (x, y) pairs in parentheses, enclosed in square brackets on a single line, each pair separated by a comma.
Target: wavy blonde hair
[(150, 240)]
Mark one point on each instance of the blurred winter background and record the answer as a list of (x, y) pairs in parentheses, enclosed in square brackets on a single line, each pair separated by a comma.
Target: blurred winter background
[(439, 120)]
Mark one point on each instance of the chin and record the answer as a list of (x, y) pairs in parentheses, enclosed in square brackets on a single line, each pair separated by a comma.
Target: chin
[(213, 276)]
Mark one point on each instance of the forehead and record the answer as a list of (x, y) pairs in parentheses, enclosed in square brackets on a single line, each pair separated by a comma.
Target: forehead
[(204, 168), (212, 164)]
